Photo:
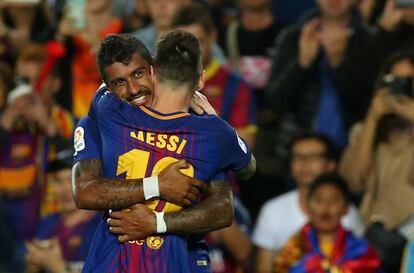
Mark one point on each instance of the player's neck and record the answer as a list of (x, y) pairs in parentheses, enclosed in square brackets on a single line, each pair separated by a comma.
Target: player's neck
[(171, 100)]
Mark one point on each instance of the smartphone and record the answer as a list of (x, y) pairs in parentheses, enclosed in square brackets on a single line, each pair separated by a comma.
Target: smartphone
[(404, 3), (76, 11), (399, 85)]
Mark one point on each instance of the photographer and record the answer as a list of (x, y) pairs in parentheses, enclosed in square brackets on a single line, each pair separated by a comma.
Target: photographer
[(379, 160)]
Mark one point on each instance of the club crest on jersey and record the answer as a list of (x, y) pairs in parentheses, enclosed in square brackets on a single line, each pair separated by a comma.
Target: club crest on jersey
[(154, 242), (79, 139)]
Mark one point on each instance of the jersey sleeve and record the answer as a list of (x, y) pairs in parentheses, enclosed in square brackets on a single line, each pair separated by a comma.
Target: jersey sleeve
[(87, 141), (95, 100), (235, 153), (222, 176)]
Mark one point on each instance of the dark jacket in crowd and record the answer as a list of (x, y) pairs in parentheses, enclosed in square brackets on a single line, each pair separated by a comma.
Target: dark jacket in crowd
[(294, 92)]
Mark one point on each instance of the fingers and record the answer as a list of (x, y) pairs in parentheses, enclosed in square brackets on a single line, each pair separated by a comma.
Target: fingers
[(182, 164), (186, 202), (195, 106), (123, 238), (117, 230), (198, 183), (200, 95), (116, 215), (194, 191), (114, 222), (191, 197)]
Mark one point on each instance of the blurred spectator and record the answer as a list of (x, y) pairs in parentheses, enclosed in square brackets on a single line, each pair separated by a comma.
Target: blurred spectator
[(322, 75), (371, 10), (251, 60), (82, 42), (379, 160), (231, 97), (32, 121), (63, 238), (138, 18), (288, 12), (224, 12), (396, 28), (6, 84), (230, 248), (162, 12), (311, 156), (324, 245), (23, 22)]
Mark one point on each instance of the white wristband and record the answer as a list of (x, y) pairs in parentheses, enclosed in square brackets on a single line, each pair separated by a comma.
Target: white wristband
[(151, 188), (161, 225)]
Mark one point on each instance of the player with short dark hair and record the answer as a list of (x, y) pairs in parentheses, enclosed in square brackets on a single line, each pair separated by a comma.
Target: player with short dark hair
[(157, 147)]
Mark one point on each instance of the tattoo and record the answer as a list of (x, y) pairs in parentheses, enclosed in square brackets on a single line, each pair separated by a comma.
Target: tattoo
[(93, 191), (203, 217), (247, 172)]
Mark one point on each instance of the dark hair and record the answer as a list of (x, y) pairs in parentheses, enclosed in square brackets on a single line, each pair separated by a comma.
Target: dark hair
[(119, 48), (391, 122), (178, 59), (194, 14), (321, 138), (330, 179)]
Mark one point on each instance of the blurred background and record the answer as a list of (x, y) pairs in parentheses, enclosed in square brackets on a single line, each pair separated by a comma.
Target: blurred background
[(314, 86)]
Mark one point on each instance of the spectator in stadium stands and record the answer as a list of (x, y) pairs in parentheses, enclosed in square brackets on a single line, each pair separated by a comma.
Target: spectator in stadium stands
[(396, 28), (32, 120), (378, 163), (138, 18), (21, 23), (82, 43), (251, 60), (322, 74), (63, 238), (323, 245), (310, 156), (6, 84), (162, 12), (230, 248), (230, 96)]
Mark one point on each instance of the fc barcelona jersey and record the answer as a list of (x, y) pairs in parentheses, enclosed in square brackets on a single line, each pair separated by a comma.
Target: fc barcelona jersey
[(139, 142)]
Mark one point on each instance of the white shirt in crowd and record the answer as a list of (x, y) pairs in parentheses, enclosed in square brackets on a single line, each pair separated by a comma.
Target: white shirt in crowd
[(282, 216)]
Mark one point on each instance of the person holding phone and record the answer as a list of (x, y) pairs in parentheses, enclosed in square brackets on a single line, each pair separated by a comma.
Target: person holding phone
[(378, 162)]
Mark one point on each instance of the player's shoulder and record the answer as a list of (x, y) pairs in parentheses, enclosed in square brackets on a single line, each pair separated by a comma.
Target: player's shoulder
[(211, 121), (85, 122), (100, 92)]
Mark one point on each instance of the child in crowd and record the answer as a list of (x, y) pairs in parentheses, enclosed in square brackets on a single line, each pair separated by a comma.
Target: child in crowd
[(323, 245)]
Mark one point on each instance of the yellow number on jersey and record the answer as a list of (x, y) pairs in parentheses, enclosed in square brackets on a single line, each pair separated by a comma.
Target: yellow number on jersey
[(135, 164)]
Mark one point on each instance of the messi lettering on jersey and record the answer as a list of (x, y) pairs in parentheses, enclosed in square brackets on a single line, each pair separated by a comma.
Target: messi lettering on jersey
[(139, 142)]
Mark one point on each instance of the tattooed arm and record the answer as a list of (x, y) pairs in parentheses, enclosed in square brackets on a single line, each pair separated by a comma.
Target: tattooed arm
[(214, 212), (93, 191)]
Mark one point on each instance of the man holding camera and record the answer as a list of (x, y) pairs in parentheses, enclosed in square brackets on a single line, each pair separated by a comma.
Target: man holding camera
[(379, 161)]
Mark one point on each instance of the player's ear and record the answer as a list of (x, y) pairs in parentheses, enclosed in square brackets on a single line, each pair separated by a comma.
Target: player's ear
[(201, 80)]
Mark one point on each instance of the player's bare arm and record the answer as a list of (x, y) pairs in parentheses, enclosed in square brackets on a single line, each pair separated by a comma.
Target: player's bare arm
[(247, 172), (93, 191), (213, 213)]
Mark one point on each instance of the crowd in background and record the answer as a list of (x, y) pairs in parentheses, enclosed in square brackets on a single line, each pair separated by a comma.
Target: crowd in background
[(322, 90)]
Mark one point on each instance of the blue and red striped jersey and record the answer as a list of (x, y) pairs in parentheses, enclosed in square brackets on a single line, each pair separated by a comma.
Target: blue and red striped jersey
[(139, 142)]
